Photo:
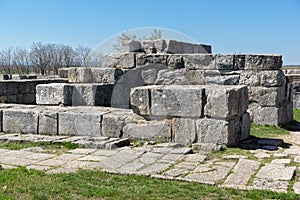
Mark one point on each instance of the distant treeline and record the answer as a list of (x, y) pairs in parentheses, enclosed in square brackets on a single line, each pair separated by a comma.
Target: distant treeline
[(42, 58)]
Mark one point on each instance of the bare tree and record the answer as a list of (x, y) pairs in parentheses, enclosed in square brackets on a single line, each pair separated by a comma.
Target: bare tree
[(82, 55), (40, 57), (21, 60), (122, 39), (6, 57)]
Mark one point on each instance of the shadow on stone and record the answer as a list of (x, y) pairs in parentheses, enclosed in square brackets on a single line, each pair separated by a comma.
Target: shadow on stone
[(270, 144)]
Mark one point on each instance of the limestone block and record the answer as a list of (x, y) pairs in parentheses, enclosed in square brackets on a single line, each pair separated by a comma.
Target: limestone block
[(79, 124), (149, 73), (20, 121), (267, 97), (131, 46), (149, 130), (172, 77), (154, 46), (146, 59), (267, 115), (140, 100), (195, 77), (94, 75), (225, 102), (215, 131), (112, 124), (184, 131), (267, 78), (263, 62), (175, 61), (106, 75), (175, 100), (239, 61), (48, 122), (63, 72), (223, 80), (225, 61), (245, 126), (54, 94), (92, 94), (119, 60), (176, 47), (199, 61)]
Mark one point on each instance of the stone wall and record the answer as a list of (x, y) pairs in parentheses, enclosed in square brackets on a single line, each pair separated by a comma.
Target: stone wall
[(22, 91), (270, 95), (293, 77)]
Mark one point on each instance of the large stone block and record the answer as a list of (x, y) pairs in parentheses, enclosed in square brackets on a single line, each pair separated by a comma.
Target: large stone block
[(20, 121), (175, 61), (176, 47), (94, 75), (226, 101), (225, 62), (195, 77), (147, 59), (131, 46), (79, 124), (48, 122), (263, 62), (199, 61), (63, 72), (92, 94), (266, 115), (119, 60), (184, 131), (172, 77), (267, 97), (54, 94), (153, 46), (113, 123), (176, 101), (266, 78), (140, 100), (149, 130)]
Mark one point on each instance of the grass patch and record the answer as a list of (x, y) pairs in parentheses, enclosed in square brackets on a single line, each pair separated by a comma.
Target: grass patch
[(46, 146), (228, 151), (21, 183), (267, 131), (296, 115)]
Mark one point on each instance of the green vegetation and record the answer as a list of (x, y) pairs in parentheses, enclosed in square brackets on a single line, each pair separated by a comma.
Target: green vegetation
[(296, 115), (21, 183), (266, 131)]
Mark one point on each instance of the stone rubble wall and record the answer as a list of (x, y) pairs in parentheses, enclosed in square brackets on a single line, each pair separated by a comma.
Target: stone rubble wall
[(22, 91), (270, 95), (293, 77)]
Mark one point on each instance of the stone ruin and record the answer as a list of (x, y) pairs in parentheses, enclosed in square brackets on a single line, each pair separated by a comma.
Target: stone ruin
[(161, 90)]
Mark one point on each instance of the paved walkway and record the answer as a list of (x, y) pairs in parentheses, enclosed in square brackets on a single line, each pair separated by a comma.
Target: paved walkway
[(270, 164)]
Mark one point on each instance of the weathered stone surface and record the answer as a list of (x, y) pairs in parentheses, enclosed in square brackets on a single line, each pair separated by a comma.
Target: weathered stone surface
[(175, 61), (131, 46), (275, 172), (94, 75), (296, 187), (242, 172), (266, 78), (174, 100), (139, 99), (265, 115), (212, 131), (20, 121), (225, 61), (172, 77), (112, 124), (195, 77), (176, 47), (75, 123), (263, 62), (153, 46), (146, 59), (225, 102), (63, 72), (54, 94), (149, 130), (48, 122), (184, 131), (279, 186), (119, 60), (267, 97), (199, 61)]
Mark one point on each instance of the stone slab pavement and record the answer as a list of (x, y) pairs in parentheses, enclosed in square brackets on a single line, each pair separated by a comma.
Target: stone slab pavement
[(256, 167)]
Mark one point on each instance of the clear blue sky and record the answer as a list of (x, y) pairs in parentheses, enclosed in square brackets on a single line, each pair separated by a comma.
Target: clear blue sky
[(230, 26)]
